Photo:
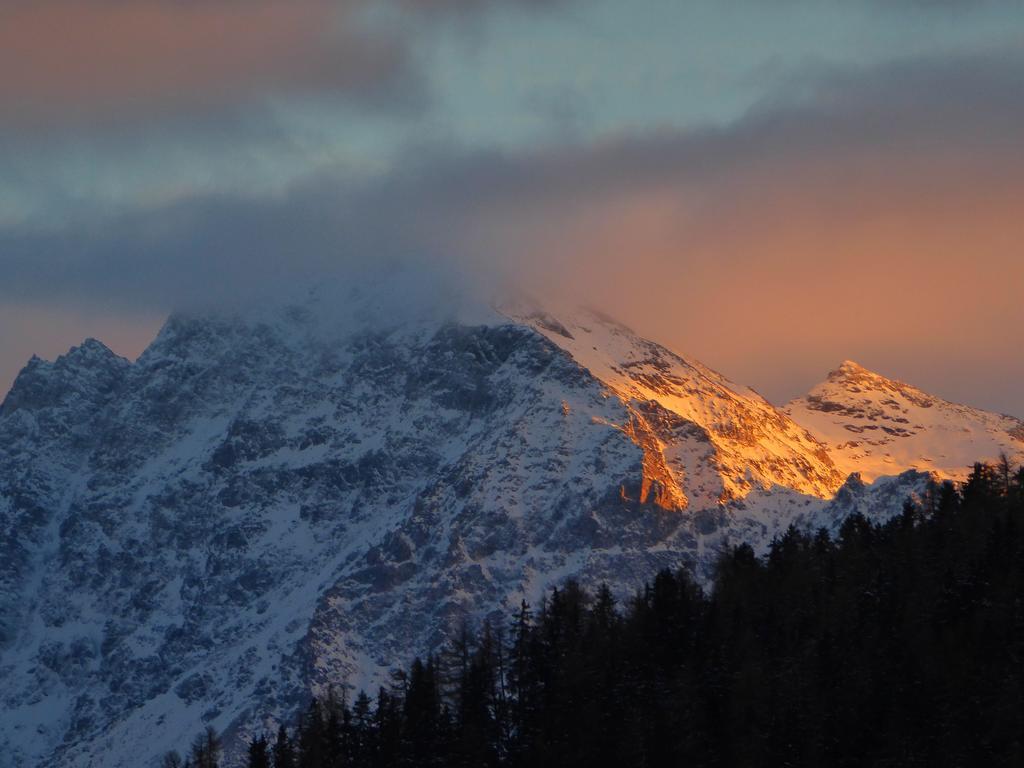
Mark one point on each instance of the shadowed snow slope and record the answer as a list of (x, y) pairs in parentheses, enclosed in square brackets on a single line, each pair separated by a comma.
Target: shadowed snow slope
[(268, 503)]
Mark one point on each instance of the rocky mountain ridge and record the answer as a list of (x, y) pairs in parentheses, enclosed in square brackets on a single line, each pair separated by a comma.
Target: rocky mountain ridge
[(261, 506)]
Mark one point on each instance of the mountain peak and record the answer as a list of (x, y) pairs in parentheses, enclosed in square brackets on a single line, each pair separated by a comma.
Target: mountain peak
[(88, 372), (850, 366), (674, 402), (881, 426), (852, 371), (90, 350)]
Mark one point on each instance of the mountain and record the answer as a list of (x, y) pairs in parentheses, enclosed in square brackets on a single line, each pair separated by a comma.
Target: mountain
[(270, 502), (878, 426)]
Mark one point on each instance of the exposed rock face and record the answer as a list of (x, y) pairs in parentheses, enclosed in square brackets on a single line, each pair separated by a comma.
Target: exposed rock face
[(877, 427), (262, 506)]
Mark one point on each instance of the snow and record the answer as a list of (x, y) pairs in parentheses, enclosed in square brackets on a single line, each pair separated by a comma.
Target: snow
[(752, 445), (270, 502), (878, 426)]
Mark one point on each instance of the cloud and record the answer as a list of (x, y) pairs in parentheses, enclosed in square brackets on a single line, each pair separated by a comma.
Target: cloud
[(74, 60), (874, 216)]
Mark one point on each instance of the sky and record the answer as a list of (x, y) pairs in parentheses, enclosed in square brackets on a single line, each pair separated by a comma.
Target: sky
[(768, 186)]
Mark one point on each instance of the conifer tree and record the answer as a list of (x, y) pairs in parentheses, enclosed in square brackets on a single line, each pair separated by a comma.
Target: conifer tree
[(284, 749), (259, 752), (311, 737), (205, 750)]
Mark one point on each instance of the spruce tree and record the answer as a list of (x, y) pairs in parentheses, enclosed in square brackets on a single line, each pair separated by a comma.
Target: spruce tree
[(206, 750), (259, 752), (284, 749)]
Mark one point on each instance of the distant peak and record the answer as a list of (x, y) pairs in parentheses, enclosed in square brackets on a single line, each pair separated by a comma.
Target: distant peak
[(91, 346), (89, 352), (850, 370), (89, 371), (851, 377)]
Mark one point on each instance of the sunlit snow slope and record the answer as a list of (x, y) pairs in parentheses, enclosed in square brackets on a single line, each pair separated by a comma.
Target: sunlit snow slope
[(878, 426), (706, 439)]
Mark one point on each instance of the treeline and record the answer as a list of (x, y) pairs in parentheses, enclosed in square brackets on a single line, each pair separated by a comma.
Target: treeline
[(890, 645)]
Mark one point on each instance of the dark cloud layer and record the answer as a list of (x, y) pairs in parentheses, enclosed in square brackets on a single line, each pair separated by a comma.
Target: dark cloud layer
[(877, 216), (919, 118)]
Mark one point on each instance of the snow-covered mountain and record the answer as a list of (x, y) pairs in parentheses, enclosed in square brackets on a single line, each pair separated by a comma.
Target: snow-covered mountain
[(877, 426), (268, 503)]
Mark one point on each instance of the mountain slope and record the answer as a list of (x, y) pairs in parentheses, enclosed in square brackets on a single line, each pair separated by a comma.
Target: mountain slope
[(750, 443), (878, 426), (266, 504)]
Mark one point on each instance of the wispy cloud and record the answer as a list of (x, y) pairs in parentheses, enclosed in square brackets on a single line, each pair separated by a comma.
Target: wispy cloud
[(74, 60)]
